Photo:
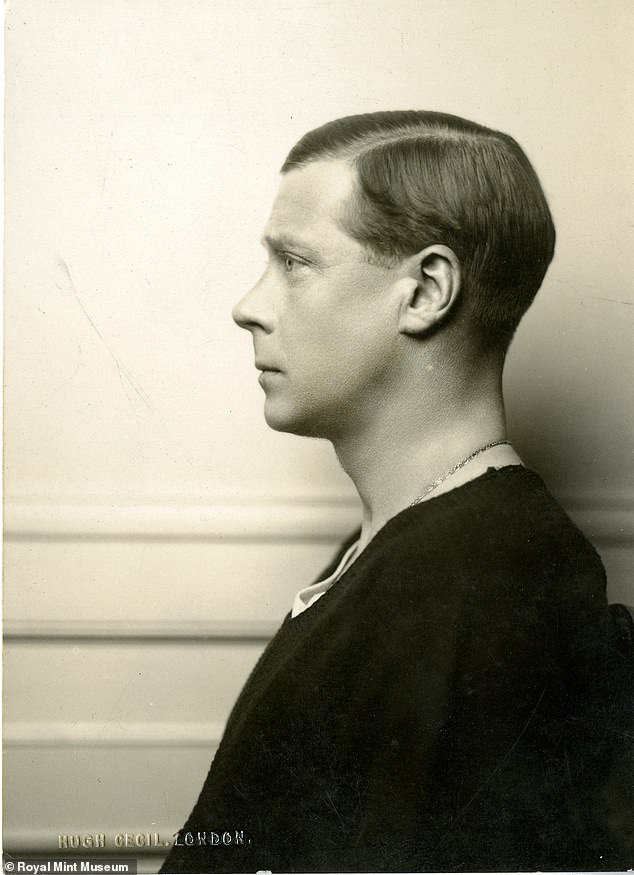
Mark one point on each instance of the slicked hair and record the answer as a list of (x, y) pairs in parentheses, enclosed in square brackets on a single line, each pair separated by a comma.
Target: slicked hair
[(428, 178)]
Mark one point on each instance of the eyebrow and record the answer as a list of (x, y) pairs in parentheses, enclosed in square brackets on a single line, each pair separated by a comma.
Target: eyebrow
[(286, 241)]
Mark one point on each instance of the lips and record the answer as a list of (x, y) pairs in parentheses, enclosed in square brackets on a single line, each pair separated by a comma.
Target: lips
[(261, 366)]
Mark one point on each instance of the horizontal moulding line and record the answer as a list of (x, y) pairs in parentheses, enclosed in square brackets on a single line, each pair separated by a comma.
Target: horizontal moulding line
[(112, 734), (114, 630)]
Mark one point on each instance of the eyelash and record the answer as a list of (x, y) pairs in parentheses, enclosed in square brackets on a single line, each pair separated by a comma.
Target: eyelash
[(296, 262), (289, 263)]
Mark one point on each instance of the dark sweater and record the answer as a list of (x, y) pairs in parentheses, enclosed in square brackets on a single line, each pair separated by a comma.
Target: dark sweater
[(444, 705)]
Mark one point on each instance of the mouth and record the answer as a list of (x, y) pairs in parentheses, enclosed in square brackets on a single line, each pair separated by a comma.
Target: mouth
[(268, 369), (267, 377)]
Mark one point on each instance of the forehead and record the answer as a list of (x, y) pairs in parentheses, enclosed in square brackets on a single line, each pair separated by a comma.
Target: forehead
[(309, 203)]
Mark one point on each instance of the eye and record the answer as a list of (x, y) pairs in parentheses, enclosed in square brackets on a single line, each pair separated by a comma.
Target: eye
[(290, 263)]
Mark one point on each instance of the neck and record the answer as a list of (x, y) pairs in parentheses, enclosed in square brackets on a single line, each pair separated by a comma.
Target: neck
[(394, 457)]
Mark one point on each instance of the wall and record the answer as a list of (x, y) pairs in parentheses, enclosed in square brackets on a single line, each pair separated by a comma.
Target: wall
[(156, 529)]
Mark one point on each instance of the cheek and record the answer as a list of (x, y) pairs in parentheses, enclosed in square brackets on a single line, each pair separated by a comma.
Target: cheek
[(346, 341), (365, 349)]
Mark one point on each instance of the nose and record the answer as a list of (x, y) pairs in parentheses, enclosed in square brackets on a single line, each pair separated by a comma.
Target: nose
[(254, 310)]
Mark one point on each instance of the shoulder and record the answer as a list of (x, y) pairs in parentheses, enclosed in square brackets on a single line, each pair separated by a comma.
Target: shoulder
[(495, 561), (503, 523)]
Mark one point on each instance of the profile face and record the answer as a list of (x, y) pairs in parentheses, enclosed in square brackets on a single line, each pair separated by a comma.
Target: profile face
[(321, 317)]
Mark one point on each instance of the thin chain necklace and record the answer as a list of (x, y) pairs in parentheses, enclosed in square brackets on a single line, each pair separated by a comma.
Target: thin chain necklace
[(457, 467)]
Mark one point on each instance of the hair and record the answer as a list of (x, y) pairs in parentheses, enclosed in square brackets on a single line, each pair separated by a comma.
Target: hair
[(426, 178)]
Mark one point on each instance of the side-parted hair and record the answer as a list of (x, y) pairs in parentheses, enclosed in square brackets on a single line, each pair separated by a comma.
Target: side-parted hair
[(428, 178)]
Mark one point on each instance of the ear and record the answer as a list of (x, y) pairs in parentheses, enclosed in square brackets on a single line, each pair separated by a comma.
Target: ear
[(429, 289)]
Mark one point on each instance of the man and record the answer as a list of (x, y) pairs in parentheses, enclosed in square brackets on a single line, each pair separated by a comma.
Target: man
[(438, 700)]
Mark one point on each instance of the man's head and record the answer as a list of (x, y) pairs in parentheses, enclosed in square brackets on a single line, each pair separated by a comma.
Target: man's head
[(427, 177), (388, 230)]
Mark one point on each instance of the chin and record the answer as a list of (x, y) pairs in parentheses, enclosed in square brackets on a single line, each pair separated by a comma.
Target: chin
[(290, 421)]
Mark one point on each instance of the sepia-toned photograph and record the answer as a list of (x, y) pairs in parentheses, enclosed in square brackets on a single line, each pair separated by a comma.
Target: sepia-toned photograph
[(318, 427)]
